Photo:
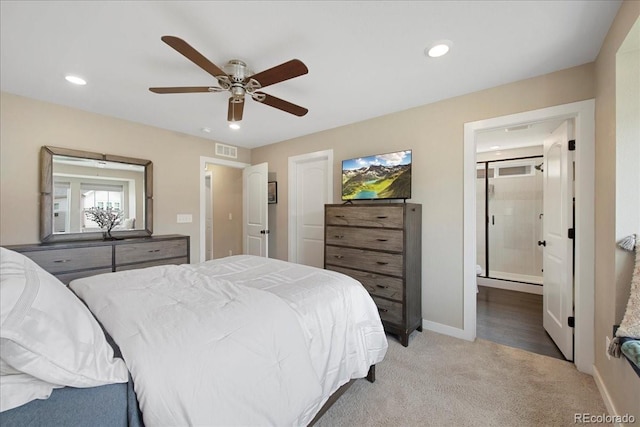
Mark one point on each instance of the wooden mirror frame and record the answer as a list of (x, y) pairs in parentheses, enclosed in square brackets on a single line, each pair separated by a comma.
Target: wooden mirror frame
[(46, 195)]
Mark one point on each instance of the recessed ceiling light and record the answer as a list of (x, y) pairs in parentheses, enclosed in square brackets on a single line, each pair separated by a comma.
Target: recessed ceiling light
[(206, 130), (234, 126), (75, 80), (438, 49), (494, 147)]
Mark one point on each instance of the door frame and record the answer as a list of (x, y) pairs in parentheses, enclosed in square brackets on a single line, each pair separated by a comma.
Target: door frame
[(293, 194), (203, 201), (583, 112)]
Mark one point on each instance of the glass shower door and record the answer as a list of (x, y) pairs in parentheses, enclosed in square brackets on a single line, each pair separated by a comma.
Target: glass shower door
[(512, 224)]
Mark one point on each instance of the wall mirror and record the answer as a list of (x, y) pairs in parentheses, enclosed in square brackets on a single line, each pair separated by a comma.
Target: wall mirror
[(72, 181)]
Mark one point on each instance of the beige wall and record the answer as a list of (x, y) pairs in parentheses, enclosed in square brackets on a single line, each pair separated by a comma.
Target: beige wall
[(621, 383), (28, 124), (435, 134)]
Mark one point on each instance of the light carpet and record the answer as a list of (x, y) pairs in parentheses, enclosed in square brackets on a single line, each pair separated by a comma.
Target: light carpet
[(443, 381)]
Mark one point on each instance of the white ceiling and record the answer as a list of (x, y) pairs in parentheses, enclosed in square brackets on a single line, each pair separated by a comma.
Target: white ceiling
[(365, 58), (527, 135)]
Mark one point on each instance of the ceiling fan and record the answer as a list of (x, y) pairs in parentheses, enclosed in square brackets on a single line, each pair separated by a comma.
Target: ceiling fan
[(236, 78)]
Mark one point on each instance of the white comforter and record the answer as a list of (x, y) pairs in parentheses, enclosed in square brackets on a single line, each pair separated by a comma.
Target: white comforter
[(241, 340)]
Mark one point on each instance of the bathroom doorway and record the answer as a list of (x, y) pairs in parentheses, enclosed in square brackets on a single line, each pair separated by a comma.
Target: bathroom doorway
[(509, 237)]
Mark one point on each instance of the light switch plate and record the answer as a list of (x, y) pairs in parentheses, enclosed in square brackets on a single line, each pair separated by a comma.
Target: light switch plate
[(183, 218)]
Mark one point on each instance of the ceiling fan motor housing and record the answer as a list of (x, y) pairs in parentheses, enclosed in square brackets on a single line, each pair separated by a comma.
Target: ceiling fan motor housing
[(237, 70)]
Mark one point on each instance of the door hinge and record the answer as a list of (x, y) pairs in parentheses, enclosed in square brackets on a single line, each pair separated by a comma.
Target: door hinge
[(571, 321), (572, 233), (572, 145)]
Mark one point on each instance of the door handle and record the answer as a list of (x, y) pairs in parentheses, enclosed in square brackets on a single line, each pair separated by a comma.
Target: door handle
[(542, 243), (264, 231)]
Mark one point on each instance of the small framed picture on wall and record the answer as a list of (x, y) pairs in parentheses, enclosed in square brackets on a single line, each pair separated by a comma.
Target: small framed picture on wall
[(272, 192)]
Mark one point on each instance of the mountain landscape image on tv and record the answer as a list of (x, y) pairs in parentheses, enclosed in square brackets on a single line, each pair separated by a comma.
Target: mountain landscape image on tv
[(382, 176)]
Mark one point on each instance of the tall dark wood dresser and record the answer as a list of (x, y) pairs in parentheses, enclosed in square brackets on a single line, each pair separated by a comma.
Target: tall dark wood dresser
[(380, 246)]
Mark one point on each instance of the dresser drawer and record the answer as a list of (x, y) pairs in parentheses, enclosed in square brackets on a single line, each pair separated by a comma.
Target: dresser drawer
[(377, 262), (374, 238), (375, 284), (71, 259), (390, 311), (150, 251), (366, 216)]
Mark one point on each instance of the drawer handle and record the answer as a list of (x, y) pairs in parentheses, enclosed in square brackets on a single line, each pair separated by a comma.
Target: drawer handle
[(153, 250), (339, 216), (382, 286), (382, 240), (381, 263), (61, 261), (339, 256), (339, 237), (382, 310), (382, 217)]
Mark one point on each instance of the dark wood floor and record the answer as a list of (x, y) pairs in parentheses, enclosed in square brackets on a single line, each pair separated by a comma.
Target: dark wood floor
[(514, 319)]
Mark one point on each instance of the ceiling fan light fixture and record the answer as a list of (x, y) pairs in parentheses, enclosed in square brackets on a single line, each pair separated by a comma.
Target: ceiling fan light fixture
[(438, 49), (234, 125), (75, 80)]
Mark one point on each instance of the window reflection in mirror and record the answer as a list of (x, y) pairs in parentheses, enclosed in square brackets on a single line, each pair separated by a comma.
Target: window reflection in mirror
[(80, 184)]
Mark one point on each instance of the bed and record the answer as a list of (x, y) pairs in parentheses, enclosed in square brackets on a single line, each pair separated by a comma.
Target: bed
[(241, 340)]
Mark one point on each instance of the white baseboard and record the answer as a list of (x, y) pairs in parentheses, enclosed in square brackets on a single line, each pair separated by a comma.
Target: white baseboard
[(511, 286), (446, 330), (606, 397)]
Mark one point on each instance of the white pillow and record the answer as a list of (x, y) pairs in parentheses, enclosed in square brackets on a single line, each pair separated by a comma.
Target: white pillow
[(47, 332), (16, 390)]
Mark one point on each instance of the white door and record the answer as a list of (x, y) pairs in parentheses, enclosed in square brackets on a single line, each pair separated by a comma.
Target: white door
[(310, 188), (254, 210), (557, 287)]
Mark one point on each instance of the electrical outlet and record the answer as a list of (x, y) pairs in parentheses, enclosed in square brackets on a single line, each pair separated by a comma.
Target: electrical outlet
[(183, 218), (230, 252), (230, 216), (606, 350)]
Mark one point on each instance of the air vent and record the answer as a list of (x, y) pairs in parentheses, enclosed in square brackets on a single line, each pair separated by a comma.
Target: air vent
[(223, 150)]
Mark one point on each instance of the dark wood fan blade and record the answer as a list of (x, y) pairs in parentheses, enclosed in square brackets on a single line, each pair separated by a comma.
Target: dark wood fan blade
[(235, 110), (280, 73), (283, 105), (193, 55), (188, 89)]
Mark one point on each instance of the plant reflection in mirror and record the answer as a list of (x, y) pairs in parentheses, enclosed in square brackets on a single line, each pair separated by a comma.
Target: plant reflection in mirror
[(106, 219)]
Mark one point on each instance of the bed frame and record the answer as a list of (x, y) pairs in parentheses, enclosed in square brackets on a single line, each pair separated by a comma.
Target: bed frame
[(371, 377)]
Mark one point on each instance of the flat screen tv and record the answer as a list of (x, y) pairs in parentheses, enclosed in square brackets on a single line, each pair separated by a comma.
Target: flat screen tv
[(381, 176)]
